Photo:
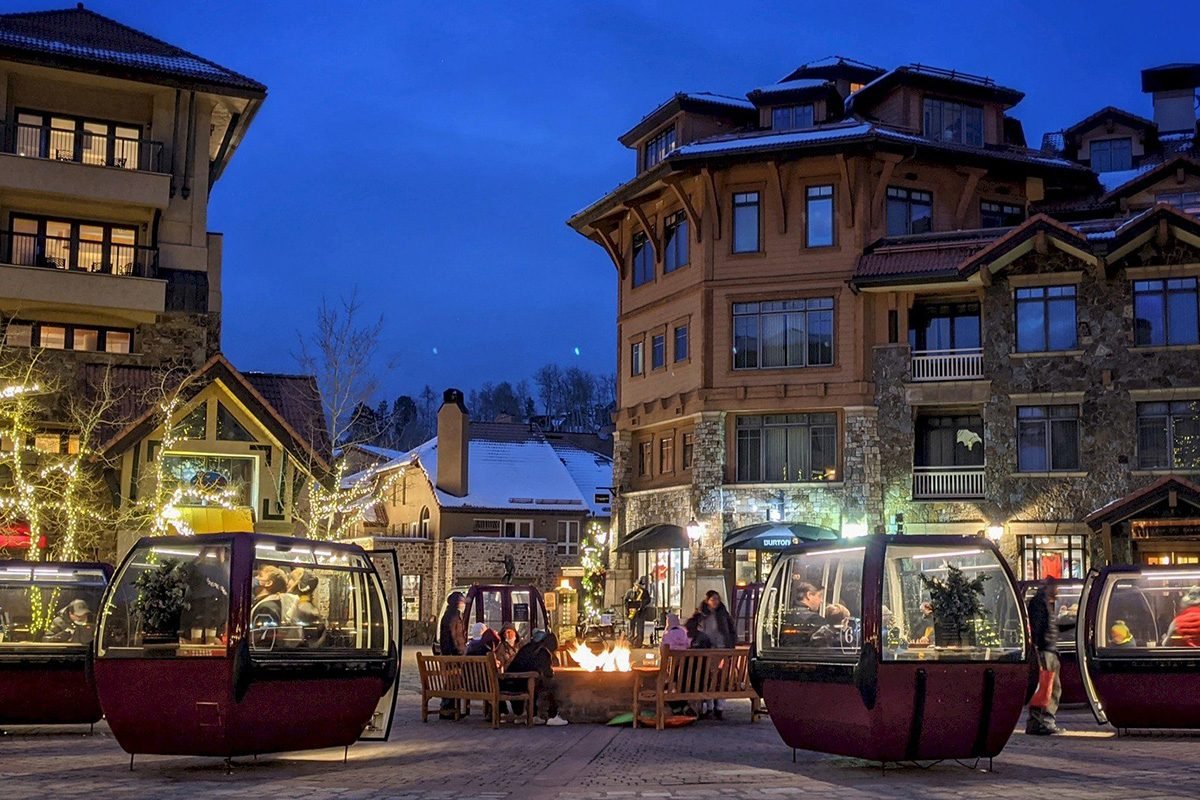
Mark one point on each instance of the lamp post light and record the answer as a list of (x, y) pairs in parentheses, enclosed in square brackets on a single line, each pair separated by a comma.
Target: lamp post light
[(695, 530), (995, 532)]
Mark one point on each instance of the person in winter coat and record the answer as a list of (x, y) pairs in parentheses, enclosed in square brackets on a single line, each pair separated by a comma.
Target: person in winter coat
[(537, 655), (1042, 624), (452, 638), (639, 609), (486, 644), (712, 626), (1185, 628), (510, 644)]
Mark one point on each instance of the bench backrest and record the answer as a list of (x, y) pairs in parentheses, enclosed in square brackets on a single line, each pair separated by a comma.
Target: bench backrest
[(463, 675), (705, 671)]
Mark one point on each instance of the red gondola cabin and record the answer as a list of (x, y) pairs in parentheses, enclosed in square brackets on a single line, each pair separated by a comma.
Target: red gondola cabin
[(47, 623), (280, 644), (852, 659)]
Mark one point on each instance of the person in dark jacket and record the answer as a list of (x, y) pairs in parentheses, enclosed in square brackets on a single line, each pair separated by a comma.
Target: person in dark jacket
[(452, 638), (510, 644), (639, 608), (537, 655), (485, 645), (1044, 627), (712, 626)]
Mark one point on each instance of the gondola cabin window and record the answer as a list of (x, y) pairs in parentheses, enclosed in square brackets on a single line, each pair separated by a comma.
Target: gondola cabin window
[(946, 604), (812, 606), (316, 600), (172, 599), (1152, 611), (48, 607)]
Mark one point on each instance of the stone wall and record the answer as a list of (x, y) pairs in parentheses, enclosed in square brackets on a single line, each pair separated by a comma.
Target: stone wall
[(468, 559)]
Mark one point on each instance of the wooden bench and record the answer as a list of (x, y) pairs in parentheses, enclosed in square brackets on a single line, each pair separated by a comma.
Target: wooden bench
[(466, 678), (693, 676)]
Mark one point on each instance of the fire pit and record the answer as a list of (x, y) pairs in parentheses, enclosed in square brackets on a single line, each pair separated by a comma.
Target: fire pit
[(599, 686)]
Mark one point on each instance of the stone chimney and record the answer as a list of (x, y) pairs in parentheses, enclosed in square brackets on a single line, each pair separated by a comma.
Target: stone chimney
[(1173, 87), (453, 444)]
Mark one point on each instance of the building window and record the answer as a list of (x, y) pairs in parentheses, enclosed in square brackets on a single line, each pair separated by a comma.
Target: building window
[(18, 334), (658, 351), (1048, 438), (67, 337), (410, 598), (675, 242), (1053, 557), (1045, 319), (423, 522), (52, 337), (1000, 215), (786, 448), (637, 360), (200, 475), (681, 343), (1187, 202), (643, 259), (908, 211), (818, 224), (87, 141), (949, 441), (518, 529), (1111, 155), (487, 526), (689, 444), (947, 121), (788, 118), (945, 326), (783, 333), (568, 537), (1166, 312), (645, 453), (68, 244), (659, 148), (117, 341), (745, 222), (666, 455), (1168, 435)]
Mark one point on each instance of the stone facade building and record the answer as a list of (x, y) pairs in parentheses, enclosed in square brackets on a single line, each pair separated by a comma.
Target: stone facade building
[(856, 301)]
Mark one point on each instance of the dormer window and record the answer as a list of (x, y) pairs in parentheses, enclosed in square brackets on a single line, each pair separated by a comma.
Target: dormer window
[(957, 123), (1111, 155), (789, 118), (659, 148)]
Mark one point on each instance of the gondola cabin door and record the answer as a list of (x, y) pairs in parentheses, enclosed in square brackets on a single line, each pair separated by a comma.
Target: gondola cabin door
[(380, 726)]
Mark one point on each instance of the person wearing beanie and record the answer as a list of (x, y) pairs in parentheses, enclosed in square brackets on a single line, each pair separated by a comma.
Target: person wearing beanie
[(452, 640), (675, 637), (712, 626), (477, 629), (1185, 628)]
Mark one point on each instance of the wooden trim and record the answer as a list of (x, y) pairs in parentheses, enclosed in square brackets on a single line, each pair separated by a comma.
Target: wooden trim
[(885, 177), (647, 228), (610, 247), (688, 208), (714, 198), (844, 176), (1163, 271), (1046, 279), (776, 186), (968, 191)]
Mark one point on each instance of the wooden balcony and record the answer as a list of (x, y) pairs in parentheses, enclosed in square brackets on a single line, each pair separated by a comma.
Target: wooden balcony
[(947, 365), (947, 483)]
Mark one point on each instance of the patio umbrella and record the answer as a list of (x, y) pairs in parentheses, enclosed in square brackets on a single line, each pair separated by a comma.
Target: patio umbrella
[(776, 536)]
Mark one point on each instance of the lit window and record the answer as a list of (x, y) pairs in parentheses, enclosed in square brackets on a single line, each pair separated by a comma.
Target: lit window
[(788, 448), (18, 334), (1168, 435), (783, 333), (53, 337), (117, 341), (85, 339), (48, 442)]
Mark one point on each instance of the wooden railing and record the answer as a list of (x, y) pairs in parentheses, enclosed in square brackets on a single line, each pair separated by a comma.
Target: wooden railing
[(947, 365), (937, 483)]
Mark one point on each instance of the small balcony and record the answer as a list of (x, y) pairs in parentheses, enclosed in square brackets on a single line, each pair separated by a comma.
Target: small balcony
[(947, 483), (83, 147), (79, 254), (947, 365)]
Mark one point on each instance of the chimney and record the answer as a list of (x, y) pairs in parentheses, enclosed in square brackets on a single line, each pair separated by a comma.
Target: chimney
[(453, 444), (1173, 87)]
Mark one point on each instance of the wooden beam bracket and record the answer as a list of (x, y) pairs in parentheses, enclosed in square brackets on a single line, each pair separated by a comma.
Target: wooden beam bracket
[(610, 247), (714, 199), (847, 192), (651, 235), (688, 208), (776, 182)]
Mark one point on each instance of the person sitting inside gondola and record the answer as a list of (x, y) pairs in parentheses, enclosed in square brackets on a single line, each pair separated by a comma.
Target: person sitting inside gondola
[(834, 632), (306, 615), (1185, 628), (804, 619), (72, 625), (272, 608), (1119, 635), (923, 631)]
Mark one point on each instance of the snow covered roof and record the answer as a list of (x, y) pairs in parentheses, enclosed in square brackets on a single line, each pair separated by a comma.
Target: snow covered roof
[(1112, 180), (719, 99), (105, 45), (790, 86), (512, 467)]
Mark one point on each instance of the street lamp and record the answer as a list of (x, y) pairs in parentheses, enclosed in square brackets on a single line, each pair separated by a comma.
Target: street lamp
[(695, 530), (994, 532)]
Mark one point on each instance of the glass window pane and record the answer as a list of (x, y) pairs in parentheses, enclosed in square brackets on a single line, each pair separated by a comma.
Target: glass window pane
[(795, 339), (897, 217), (1183, 327), (922, 218), (776, 454), (117, 341), (745, 223), (53, 337), (819, 231), (812, 605), (1152, 442), (820, 337), (749, 455), (1031, 322), (1064, 443), (85, 339), (774, 340), (18, 334), (1062, 323), (1031, 444), (745, 341), (54, 605)]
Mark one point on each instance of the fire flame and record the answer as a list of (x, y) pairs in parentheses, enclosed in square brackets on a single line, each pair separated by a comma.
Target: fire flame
[(614, 658)]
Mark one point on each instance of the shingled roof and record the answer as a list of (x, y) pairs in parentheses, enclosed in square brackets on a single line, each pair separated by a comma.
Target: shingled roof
[(82, 39)]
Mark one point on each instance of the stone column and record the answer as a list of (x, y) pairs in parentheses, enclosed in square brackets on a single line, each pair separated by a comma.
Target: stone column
[(861, 467)]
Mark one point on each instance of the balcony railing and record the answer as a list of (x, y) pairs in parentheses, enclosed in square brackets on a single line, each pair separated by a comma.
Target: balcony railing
[(52, 252), (947, 483), (82, 147), (947, 365)]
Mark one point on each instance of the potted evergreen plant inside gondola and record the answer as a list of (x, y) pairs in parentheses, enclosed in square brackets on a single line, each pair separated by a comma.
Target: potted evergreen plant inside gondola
[(957, 605), (160, 602)]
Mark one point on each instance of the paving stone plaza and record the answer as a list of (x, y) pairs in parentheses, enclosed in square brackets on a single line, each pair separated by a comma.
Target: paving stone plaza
[(732, 758)]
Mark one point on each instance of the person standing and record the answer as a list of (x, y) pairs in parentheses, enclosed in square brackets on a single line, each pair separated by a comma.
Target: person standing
[(1043, 625), (712, 626), (637, 606), (452, 640)]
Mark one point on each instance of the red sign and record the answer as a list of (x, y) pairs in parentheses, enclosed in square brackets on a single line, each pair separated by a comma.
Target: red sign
[(15, 536)]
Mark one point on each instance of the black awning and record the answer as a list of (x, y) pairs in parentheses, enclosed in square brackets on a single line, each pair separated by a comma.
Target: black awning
[(776, 536), (655, 537)]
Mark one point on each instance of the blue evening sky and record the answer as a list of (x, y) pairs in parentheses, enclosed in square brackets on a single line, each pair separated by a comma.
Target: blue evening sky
[(429, 152)]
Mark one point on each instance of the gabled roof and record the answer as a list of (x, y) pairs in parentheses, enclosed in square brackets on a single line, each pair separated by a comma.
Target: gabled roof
[(289, 406), (514, 467), (737, 108), (792, 91), (833, 68), (1113, 113), (935, 79), (1135, 180), (78, 38), (1148, 496)]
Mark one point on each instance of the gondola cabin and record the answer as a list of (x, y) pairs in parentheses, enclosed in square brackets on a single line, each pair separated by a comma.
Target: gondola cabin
[(497, 605), (1066, 613), (239, 644), (1139, 646), (893, 648), (47, 623)]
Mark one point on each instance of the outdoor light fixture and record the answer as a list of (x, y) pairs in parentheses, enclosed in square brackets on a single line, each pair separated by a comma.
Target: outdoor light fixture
[(994, 532), (853, 530), (695, 530)]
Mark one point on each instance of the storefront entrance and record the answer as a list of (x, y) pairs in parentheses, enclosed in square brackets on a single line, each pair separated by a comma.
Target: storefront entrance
[(1158, 525)]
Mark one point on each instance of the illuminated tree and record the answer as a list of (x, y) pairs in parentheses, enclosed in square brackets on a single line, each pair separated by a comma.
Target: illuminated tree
[(594, 560)]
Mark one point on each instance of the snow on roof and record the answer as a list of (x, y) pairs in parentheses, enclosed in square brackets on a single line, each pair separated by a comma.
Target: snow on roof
[(789, 86), (827, 133), (720, 99), (592, 473), (382, 452), (1113, 180)]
